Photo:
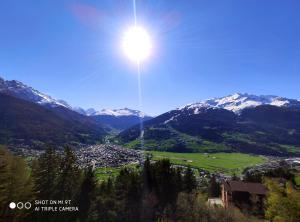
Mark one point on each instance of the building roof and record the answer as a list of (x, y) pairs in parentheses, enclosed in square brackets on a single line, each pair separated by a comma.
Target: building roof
[(254, 188)]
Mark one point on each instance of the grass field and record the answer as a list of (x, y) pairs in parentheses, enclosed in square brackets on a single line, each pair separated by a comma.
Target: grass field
[(297, 181), (228, 163), (103, 173)]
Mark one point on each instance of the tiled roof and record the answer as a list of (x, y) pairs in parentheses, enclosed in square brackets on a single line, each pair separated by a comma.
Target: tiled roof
[(254, 188)]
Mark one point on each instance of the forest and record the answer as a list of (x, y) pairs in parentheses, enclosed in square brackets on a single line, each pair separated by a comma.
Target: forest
[(155, 191)]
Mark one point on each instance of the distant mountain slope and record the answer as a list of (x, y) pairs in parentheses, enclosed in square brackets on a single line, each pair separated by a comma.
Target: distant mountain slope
[(23, 122), (239, 101), (119, 123), (118, 112), (264, 127), (22, 91), (117, 119)]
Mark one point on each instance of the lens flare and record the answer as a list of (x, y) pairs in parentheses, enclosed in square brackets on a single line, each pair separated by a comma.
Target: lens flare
[(137, 44)]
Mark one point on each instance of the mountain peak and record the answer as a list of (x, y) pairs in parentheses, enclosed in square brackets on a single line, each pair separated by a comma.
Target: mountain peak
[(20, 90), (238, 101), (121, 112)]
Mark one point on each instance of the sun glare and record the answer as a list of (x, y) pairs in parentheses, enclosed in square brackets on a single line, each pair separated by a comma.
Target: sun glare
[(137, 44)]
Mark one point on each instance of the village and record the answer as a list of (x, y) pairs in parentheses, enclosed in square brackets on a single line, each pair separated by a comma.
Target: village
[(107, 155)]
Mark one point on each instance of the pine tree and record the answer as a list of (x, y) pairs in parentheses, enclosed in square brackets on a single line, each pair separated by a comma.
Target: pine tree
[(69, 176), (5, 175), (165, 185), (189, 180), (15, 186), (134, 197), (214, 188), (147, 176), (106, 203), (68, 183), (87, 195), (45, 172)]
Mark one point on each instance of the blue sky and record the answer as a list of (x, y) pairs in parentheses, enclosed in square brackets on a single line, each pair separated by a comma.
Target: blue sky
[(202, 49)]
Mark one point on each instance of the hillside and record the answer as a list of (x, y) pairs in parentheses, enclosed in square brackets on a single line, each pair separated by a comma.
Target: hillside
[(260, 129), (119, 123), (23, 122), (114, 120)]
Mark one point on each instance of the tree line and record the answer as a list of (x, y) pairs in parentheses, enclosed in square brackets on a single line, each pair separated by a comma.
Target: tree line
[(155, 191)]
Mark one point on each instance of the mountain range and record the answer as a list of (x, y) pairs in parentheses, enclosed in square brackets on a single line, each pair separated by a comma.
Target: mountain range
[(236, 123), (239, 101), (33, 118)]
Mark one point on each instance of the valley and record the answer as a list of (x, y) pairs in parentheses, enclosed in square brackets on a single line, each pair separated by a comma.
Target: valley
[(223, 135), (149, 111)]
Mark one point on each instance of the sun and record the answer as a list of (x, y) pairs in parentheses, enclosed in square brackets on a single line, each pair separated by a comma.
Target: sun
[(137, 44)]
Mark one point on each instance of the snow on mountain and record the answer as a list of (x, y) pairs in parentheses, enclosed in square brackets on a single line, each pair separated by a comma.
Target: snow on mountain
[(90, 112), (79, 110), (111, 112), (239, 101), (120, 112), (22, 91)]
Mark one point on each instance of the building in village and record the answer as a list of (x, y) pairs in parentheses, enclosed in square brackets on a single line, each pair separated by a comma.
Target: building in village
[(240, 193)]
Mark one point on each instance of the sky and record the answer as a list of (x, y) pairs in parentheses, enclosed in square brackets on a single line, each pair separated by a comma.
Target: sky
[(202, 49)]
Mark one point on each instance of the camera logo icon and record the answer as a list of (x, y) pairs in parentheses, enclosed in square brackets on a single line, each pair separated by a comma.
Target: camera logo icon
[(20, 205)]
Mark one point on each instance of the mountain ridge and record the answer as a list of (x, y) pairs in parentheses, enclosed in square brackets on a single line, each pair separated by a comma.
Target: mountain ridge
[(239, 101), (112, 119), (20, 90), (25, 123), (265, 127)]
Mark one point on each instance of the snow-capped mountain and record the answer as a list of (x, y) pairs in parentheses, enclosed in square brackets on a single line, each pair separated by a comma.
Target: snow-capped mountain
[(79, 110), (265, 125), (119, 119), (22, 91), (111, 112), (120, 112), (239, 101), (90, 111)]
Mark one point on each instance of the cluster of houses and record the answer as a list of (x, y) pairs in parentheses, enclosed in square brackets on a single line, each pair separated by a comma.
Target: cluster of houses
[(102, 155), (107, 155), (275, 163)]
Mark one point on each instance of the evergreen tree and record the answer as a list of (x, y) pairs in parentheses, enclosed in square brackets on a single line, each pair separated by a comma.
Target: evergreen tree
[(68, 183), (128, 194), (166, 191), (45, 173), (87, 195), (147, 176), (5, 175), (15, 186), (255, 177), (69, 178), (106, 204), (134, 198), (214, 188), (189, 180)]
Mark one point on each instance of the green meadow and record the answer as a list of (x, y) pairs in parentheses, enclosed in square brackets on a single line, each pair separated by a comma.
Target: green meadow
[(297, 181), (228, 163), (103, 173)]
